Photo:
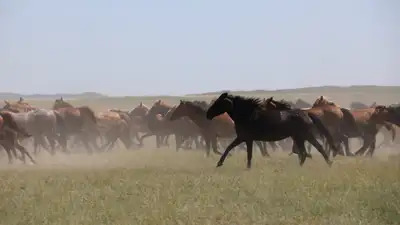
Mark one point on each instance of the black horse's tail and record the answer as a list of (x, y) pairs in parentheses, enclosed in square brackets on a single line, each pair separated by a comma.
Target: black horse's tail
[(349, 119), (10, 123), (324, 131)]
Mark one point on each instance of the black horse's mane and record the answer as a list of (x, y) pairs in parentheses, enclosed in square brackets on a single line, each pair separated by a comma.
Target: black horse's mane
[(255, 103), (250, 102), (284, 103)]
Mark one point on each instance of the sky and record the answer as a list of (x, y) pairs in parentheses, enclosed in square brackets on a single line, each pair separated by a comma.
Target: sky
[(152, 47)]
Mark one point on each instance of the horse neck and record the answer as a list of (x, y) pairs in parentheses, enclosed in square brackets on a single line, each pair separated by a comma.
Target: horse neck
[(198, 117), (238, 116)]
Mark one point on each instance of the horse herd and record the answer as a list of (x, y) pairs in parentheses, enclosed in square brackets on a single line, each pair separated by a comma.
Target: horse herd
[(229, 117)]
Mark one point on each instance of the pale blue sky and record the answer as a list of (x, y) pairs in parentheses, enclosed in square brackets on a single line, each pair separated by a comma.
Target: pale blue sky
[(130, 47)]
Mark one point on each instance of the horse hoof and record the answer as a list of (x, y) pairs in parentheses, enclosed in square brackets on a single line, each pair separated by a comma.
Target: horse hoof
[(330, 162), (219, 164)]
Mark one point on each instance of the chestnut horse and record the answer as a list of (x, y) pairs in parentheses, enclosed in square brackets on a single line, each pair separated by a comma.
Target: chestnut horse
[(334, 117), (114, 125), (80, 121)]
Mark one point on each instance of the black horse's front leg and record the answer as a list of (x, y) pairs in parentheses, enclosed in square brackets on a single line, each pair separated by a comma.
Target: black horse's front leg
[(249, 145), (233, 144)]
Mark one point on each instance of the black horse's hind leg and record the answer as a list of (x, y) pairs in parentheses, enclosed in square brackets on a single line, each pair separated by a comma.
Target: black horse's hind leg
[(313, 141), (364, 147), (295, 150), (372, 147), (302, 151), (233, 144)]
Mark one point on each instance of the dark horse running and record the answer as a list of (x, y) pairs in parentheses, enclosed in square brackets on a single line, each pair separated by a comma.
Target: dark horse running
[(253, 122)]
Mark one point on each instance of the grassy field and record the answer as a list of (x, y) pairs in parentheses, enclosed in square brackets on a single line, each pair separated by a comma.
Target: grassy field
[(150, 186), (168, 187)]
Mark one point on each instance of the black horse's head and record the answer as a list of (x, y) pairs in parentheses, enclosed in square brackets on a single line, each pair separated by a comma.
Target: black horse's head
[(224, 103)]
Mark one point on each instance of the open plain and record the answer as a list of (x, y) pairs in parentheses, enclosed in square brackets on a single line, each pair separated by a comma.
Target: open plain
[(162, 186)]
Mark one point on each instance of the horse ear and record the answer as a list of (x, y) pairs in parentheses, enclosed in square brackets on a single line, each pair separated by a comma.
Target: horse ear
[(21, 99), (270, 99), (7, 103), (61, 99), (181, 101), (141, 104)]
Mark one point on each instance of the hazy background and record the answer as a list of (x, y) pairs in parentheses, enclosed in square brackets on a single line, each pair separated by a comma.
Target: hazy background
[(177, 47)]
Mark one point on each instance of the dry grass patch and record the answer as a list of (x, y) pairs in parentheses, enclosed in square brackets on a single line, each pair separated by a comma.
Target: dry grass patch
[(167, 187)]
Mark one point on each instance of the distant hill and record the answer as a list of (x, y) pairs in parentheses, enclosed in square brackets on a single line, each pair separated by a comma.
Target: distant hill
[(14, 96), (311, 90), (321, 89)]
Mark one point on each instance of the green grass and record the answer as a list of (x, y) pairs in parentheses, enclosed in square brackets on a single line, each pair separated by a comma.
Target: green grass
[(167, 187)]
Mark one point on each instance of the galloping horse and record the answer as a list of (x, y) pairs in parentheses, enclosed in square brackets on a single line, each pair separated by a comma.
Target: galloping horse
[(368, 128), (80, 121), (114, 125), (138, 123), (253, 122), (221, 126), (39, 123), (153, 118), (335, 118), (9, 132), (389, 133)]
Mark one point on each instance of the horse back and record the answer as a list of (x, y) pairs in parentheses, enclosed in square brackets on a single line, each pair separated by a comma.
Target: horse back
[(69, 111), (362, 115), (109, 115), (329, 114)]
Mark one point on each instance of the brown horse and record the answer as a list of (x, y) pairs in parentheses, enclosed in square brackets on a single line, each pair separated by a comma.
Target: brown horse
[(9, 132), (334, 117), (80, 121), (221, 126), (153, 119), (19, 106), (113, 126), (183, 128), (138, 123), (368, 128), (389, 133)]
